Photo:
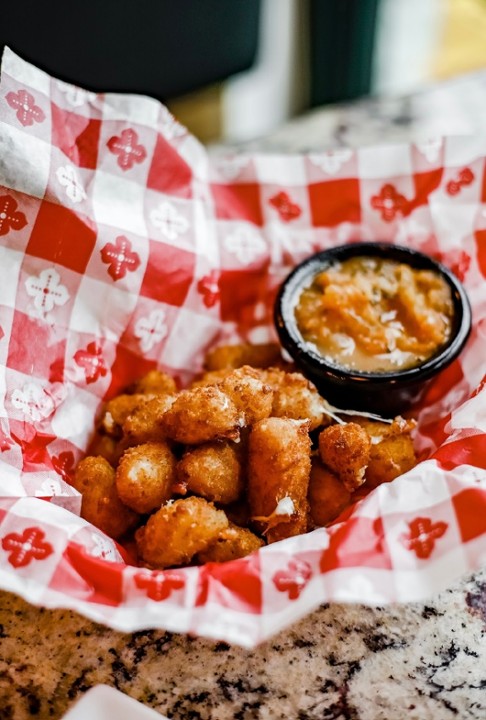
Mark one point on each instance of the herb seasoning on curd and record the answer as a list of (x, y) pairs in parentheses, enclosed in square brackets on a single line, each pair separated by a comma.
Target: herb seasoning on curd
[(375, 315)]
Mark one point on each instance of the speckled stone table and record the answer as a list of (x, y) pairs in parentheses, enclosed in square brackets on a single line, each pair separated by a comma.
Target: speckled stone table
[(456, 106), (420, 662)]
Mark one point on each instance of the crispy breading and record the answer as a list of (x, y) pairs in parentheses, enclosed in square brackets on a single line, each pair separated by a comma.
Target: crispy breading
[(212, 471), (155, 382), (145, 475), (345, 449), (106, 446), (233, 543), (238, 437), (201, 415), (295, 397), (278, 468), (246, 387), (213, 377), (117, 410), (327, 495), (234, 356), (95, 480), (175, 533), (392, 452), (144, 423), (251, 396)]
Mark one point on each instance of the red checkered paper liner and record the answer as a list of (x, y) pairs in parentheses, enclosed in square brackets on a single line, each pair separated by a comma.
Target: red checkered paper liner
[(124, 247)]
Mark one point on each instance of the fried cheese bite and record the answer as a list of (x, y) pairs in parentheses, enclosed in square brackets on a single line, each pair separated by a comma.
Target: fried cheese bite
[(144, 423), (251, 396), (345, 449), (234, 356), (106, 446), (213, 377), (175, 533), (327, 495), (201, 415), (233, 543), (295, 397), (212, 471), (392, 452), (155, 382), (145, 475), (95, 480), (278, 476), (117, 410)]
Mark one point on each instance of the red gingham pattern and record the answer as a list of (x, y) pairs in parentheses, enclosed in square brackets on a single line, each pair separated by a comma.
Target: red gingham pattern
[(124, 247)]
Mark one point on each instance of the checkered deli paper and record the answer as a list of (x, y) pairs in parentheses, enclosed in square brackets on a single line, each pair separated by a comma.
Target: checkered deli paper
[(124, 247)]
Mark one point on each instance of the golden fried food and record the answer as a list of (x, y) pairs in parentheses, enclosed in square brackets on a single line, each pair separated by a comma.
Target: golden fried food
[(295, 397), (392, 452), (155, 382), (278, 476), (345, 449), (327, 495), (233, 543), (118, 409), (144, 423), (392, 457), (106, 446), (200, 415), (234, 356), (238, 437), (379, 430), (250, 395), (95, 480), (213, 377), (212, 471), (145, 475), (175, 533), (246, 388)]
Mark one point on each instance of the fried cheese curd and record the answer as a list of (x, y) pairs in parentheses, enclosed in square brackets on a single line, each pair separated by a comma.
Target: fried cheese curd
[(106, 447), (145, 475), (278, 476), (392, 452), (295, 397), (220, 469), (144, 423), (95, 479), (235, 356), (180, 529), (252, 396), (118, 409), (345, 449), (327, 495), (213, 471), (200, 415), (233, 543), (154, 382)]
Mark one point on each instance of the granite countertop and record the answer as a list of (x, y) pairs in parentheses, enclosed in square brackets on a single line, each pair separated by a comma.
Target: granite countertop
[(453, 107), (342, 662), (420, 661)]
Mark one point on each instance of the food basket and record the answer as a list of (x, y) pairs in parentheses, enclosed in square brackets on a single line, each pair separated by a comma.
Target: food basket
[(124, 247)]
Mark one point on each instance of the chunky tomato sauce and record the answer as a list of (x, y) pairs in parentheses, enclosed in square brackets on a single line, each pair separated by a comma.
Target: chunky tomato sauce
[(375, 315)]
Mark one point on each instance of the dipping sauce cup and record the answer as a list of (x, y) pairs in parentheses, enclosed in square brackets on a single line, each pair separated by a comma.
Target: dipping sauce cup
[(386, 321)]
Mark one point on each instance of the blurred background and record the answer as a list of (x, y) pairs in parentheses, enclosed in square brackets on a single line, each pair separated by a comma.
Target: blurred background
[(234, 70)]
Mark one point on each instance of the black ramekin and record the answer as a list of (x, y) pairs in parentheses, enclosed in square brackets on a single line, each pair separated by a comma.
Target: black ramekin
[(384, 393)]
